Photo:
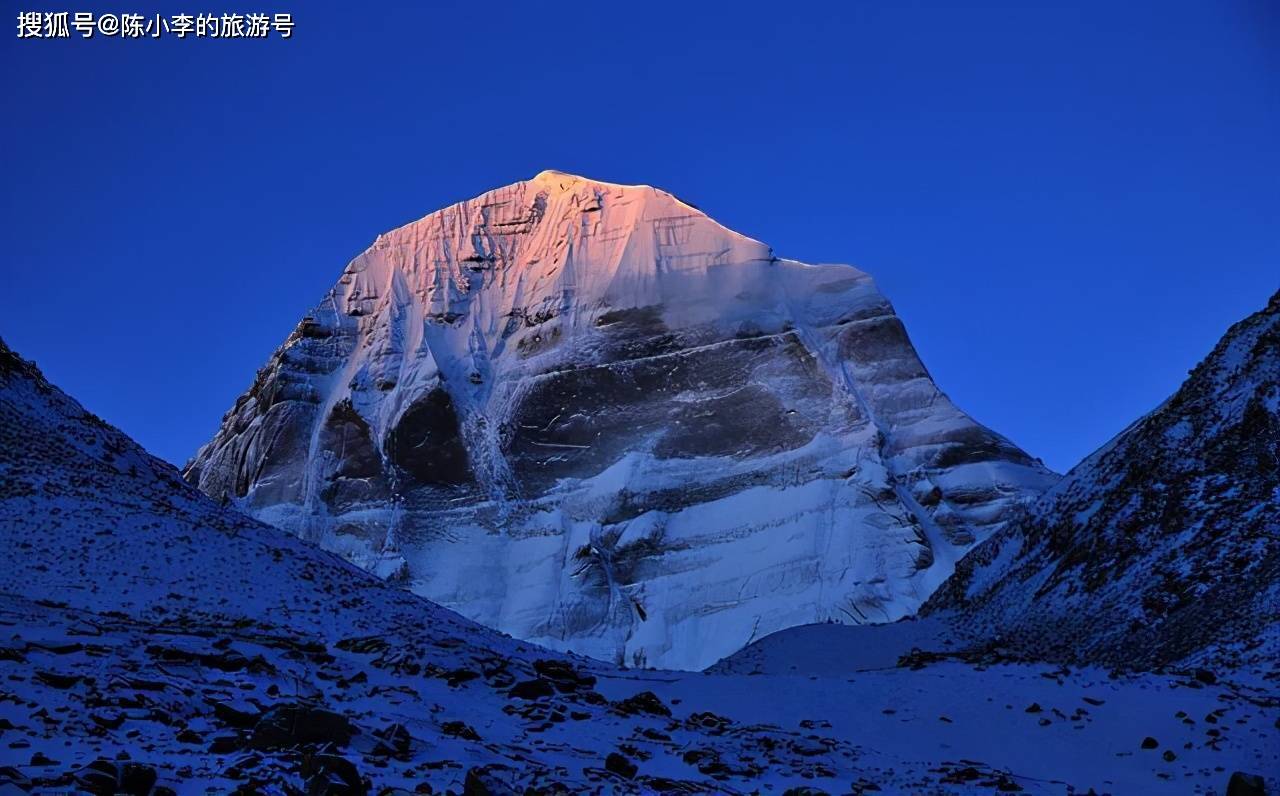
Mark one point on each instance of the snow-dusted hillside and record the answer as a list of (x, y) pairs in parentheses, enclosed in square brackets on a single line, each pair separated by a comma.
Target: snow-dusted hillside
[(145, 631), (589, 416), (1161, 547), (152, 642)]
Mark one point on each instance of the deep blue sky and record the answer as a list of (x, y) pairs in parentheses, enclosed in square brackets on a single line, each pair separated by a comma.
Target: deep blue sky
[(1067, 204)]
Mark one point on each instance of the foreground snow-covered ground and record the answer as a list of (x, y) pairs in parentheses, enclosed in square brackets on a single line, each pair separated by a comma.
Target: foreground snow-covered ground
[(1056, 729), (210, 710)]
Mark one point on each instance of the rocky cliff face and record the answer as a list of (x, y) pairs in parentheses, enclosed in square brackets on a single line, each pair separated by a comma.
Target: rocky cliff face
[(591, 417), (1160, 547)]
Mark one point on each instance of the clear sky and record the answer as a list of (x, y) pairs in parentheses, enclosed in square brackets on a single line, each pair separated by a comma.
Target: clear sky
[(1067, 204)]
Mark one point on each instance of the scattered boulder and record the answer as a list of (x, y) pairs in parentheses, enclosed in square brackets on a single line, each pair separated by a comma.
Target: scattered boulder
[(332, 775), (620, 765), (221, 659), (98, 777), (643, 702), (532, 689), (460, 729), (563, 676), (487, 781), (456, 677), (959, 776), (107, 721), (1205, 676), (296, 724), (1242, 784), (369, 645), (717, 724), (137, 779), (395, 738), (1149, 743), (105, 778), (235, 715), (55, 680)]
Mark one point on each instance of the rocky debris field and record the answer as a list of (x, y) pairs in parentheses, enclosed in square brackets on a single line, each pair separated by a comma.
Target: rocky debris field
[(107, 705)]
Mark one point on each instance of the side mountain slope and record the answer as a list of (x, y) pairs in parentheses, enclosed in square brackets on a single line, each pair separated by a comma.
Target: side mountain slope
[(1164, 545)]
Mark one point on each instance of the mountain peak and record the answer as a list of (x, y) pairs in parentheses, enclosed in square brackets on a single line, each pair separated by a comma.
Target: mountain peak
[(555, 175), (563, 180)]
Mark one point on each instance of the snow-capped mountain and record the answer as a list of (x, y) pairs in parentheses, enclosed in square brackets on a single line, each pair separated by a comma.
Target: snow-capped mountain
[(590, 416), (1161, 547)]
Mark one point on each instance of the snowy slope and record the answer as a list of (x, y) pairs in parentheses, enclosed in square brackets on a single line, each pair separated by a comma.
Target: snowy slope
[(148, 636), (1164, 545), (1059, 729), (589, 416)]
